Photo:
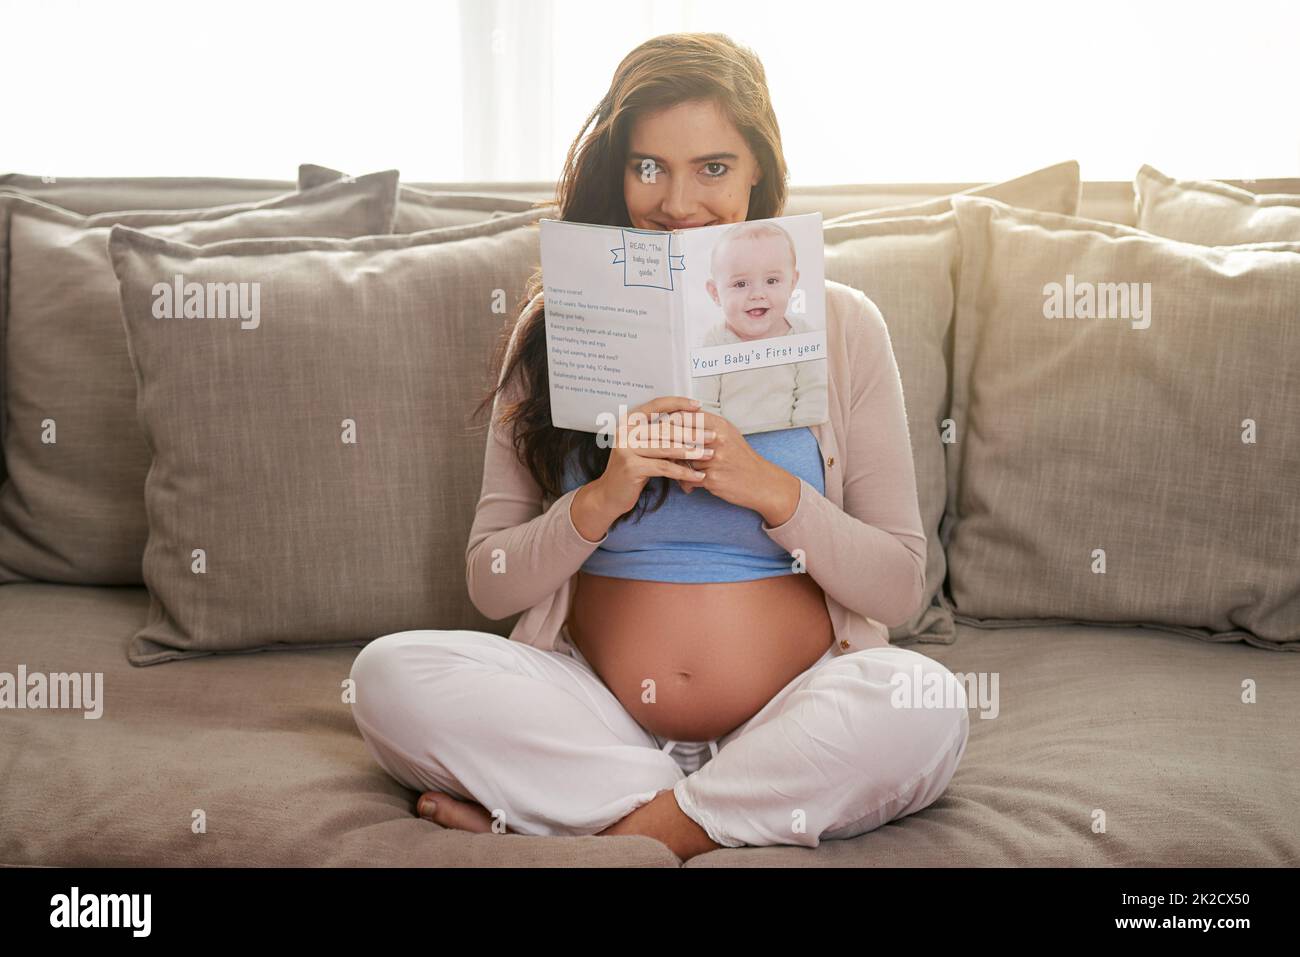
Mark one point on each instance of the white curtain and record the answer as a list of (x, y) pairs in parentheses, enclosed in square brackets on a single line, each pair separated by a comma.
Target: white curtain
[(924, 91)]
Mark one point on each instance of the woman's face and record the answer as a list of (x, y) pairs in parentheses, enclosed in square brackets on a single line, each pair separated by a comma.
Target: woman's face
[(688, 166)]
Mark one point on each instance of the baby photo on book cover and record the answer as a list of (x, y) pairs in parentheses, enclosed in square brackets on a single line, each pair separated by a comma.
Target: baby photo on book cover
[(755, 302), (733, 315)]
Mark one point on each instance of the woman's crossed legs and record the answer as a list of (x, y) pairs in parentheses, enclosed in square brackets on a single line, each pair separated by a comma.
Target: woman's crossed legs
[(539, 741)]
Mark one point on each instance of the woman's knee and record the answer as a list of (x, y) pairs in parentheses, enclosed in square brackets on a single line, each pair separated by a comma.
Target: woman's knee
[(914, 732), (393, 672), (379, 663), (936, 699), (914, 700), (921, 682), (390, 657), (933, 704)]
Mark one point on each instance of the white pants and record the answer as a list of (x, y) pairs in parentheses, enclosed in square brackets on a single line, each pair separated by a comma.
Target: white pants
[(538, 739)]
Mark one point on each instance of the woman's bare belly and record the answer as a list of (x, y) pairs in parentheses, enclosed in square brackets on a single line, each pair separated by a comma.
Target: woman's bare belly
[(691, 662)]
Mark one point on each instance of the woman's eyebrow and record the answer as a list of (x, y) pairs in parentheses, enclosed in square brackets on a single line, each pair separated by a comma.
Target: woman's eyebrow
[(708, 158)]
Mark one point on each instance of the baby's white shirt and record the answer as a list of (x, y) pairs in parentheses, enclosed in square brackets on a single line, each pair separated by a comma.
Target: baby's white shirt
[(784, 396)]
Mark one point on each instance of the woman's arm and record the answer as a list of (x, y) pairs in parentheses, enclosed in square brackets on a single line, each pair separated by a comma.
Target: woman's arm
[(517, 554), (869, 556)]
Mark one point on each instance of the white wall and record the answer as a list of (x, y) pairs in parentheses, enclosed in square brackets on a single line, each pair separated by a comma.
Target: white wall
[(910, 90)]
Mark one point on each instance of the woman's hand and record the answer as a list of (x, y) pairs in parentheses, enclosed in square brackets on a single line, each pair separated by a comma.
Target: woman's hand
[(668, 446), (738, 474)]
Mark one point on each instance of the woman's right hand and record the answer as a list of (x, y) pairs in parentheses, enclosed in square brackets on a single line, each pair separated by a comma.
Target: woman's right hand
[(646, 448)]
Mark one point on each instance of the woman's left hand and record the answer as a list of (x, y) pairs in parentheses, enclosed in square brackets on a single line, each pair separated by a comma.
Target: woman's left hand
[(738, 474)]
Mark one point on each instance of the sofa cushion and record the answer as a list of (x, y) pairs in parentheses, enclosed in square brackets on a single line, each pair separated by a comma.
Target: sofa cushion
[(72, 506), (1211, 213), (1053, 188), (315, 468), (420, 209), (266, 747), (1111, 201), (1139, 724), (1099, 200), (263, 745), (1137, 468), (102, 194), (906, 266)]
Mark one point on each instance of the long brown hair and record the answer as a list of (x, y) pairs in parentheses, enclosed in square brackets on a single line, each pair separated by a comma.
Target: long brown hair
[(658, 74)]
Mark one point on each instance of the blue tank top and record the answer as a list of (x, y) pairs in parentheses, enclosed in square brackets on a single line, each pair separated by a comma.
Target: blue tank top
[(701, 537)]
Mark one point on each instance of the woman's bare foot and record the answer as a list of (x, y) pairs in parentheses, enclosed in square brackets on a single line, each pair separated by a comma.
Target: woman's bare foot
[(663, 819), (442, 808)]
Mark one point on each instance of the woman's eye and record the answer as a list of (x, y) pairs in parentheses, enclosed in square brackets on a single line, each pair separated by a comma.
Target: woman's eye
[(648, 169)]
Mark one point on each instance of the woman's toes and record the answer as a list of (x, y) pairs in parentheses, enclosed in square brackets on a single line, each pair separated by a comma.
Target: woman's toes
[(447, 811), (427, 803)]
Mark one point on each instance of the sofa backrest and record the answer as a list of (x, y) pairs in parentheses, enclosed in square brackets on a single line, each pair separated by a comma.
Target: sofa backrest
[(1105, 200)]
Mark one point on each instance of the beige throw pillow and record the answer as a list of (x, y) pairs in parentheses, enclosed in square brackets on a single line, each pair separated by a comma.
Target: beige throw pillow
[(1055, 188), (72, 505), (103, 194), (906, 266), (419, 209), (316, 470), (1213, 213), (1126, 449)]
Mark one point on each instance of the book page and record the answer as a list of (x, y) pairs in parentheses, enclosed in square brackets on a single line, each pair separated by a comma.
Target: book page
[(609, 321), (755, 318)]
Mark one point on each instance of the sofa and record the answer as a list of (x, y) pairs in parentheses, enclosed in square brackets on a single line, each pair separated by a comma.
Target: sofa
[(1128, 639)]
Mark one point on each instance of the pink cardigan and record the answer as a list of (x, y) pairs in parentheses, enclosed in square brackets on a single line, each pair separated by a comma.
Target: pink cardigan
[(863, 541)]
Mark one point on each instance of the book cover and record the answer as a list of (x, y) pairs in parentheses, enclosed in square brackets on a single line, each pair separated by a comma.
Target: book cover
[(733, 314)]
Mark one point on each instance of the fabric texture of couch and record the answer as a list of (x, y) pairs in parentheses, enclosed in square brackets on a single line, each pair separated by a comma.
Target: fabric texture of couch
[(1146, 726)]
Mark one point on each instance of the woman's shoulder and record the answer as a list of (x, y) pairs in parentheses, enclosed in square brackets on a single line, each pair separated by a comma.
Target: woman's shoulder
[(853, 319), (851, 307)]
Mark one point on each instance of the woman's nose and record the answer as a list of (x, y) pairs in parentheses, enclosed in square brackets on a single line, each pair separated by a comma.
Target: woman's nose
[(679, 203)]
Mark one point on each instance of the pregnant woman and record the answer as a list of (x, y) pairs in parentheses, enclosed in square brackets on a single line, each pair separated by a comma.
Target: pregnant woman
[(704, 654)]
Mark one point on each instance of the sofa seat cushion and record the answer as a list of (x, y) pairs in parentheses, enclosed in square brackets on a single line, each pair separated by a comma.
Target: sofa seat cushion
[(262, 744), (1089, 717), (1141, 724)]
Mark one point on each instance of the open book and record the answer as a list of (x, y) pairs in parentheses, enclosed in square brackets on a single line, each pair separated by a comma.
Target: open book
[(733, 315)]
